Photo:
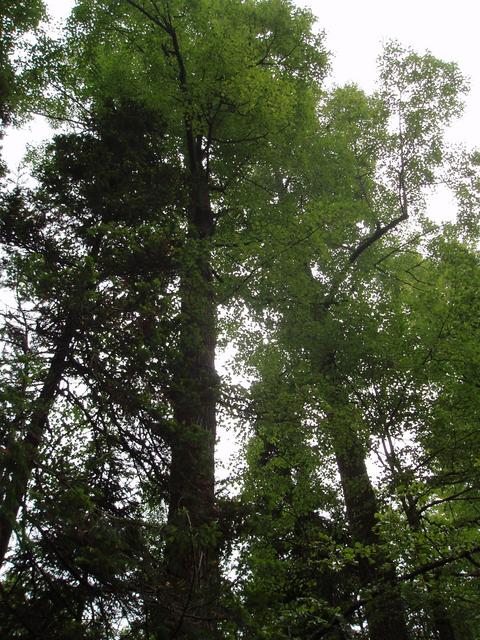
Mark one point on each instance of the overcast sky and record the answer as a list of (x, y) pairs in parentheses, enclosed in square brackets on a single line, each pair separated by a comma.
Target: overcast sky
[(355, 31)]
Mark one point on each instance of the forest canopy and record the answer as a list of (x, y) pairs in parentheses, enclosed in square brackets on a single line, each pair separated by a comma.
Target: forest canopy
[(215, 241)]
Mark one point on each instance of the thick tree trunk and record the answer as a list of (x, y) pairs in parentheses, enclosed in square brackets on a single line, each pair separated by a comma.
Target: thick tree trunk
[(19, 467), (191, 550), (384, 610)]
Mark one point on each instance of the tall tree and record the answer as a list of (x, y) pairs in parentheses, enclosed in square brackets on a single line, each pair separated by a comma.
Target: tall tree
[(228, 80), (325, 318), (80, 290)]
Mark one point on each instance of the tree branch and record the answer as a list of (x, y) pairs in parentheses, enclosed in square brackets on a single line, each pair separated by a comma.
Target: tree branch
[(377, 235)]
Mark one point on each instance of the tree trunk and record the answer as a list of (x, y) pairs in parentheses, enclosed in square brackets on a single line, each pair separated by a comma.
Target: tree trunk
[(440, 618), (191, 550), (384, 609), (19, 468)]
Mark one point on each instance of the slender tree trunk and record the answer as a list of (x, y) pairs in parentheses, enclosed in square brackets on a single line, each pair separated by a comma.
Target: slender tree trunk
[(19, 467), (440, 618), (384, 610), (191, 551)]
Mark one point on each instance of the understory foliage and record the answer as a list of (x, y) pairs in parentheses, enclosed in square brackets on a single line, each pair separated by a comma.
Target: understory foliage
[(205, 200)]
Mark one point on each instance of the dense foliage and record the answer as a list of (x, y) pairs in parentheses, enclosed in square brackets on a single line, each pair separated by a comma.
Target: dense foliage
[(206, 199)]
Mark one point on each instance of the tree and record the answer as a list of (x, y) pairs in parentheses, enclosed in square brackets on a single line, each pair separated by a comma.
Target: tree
[(221, 120), (334, 318), (79, 292), (203, 168)]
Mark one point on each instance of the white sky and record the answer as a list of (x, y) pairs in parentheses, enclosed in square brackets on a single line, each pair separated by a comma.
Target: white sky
[(356, 29)]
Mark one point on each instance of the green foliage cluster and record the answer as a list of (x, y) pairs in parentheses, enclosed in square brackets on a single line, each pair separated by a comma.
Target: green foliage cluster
[(17, 18)]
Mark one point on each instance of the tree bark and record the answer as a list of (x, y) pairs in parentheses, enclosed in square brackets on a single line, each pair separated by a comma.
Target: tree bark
[(385, 610), (440, 618), (191, 550), (19, 468)]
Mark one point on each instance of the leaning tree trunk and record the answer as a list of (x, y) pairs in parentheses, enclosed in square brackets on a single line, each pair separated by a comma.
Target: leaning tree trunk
[(19, 465), (384, 607), (191, 549), (440, 618)]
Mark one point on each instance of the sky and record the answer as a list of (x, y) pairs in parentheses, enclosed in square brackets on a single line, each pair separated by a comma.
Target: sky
[(355, 31)]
